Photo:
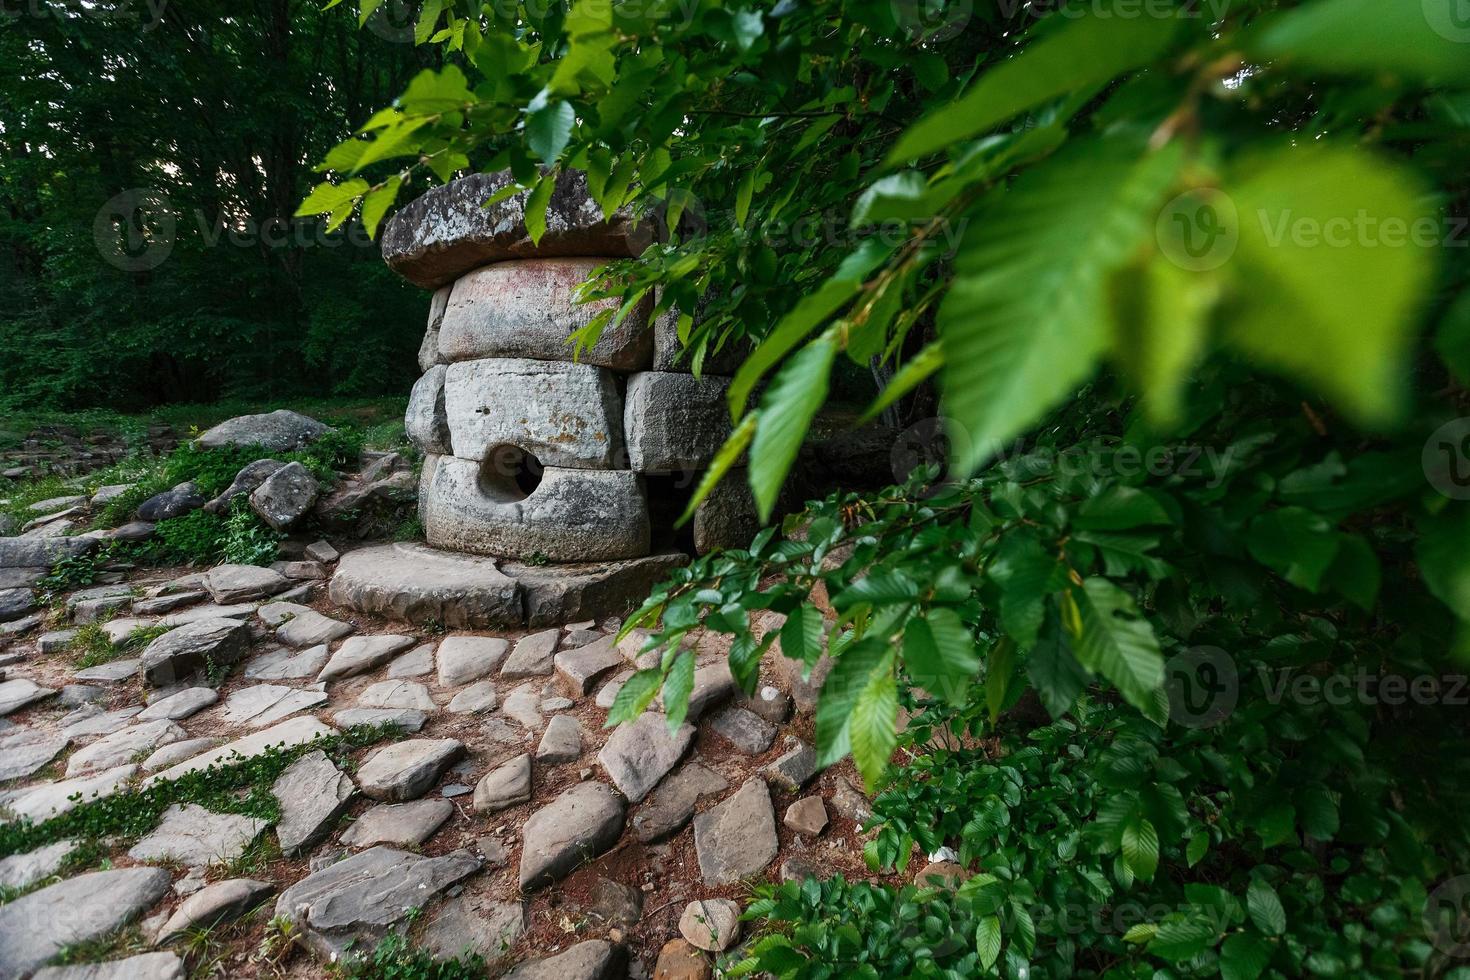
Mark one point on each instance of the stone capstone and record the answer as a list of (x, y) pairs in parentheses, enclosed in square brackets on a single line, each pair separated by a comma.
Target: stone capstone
[(182, 652), (278, 432), (737, 838), (577, 826), (425, 421), (572, 515), (36, 927), (527, 308), (564, 414), (674, 422)]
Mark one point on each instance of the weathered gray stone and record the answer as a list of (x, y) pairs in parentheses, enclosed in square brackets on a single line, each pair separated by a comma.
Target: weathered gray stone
[(532, 656), (310, 628), (608, 693), (674, 422), (578, 825), (230, 584), (448, 231), (24, 870), (737, 838), (713, 686), (476, 699), (504, 786), (286, 496), (418, 584), (409, 695), (398, 824), (31, 553), (239, 610), (146, 966), (112, 672), (322, 551), (727, 518), (528, 308), (38, 926), (15, 603), (313, 794), (566, 415), (425, 422), (90, 721), (266, 704), (573, 515), (407, 770), (794, 769), (245, 482), (554, 594), (301, 571), (579, 638), (711, 924), (672, 805), (285, 665), (160, 605), (577, 670), (16, 627), (18, 578), (468, 658), (53, 504), (194, 836), (21, 693), (743, 729), (122, 747), (171, 503), (406, 720), (41, 803), (55, 641), (25, 750), (176, 752), (806, 816), (594, 959), (360, 654), (473, 925), (288, 734), (351, 904), (429, 347), (641, 752), (222, 901), (180, 653), (278, 432), (180, 705), (561, 742), (770, 703)]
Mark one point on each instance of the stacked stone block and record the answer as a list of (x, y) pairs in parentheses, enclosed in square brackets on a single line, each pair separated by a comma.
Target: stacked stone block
[(534, 451)]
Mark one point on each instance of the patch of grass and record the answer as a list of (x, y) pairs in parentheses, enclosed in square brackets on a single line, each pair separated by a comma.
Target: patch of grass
[(93, 647), (16, 496), (412, 529), (74, 572), (256, 857), (115, 946), (395, 958)]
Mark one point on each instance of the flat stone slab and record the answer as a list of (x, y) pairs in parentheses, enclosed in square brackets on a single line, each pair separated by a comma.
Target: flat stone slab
[(476, 699), (311, 629), (533, 655), (221, 901), (577, 670), (313, 794), (192, 647), (239, 610), (24, 870), (561, 742), (398, 824), (147, 966), (504, 786), (747, 731), (195, 836), (418, 662), (176, 752), (472, 924), (288, 734), (641, 752), (36, 927), (795, 768), (21, 693), (229, 584), (672, 805), (405, 719), (448, 231), (403, 695), (181, 705), (123, 746), (89, 721), (266, 704), (40, 803), (288, 665), (25, 750), (523, 706), (595, 959), (737, 838), (407, 770), (357, 900), (468, 658), (112, 672), (360, 654), (577, 826)]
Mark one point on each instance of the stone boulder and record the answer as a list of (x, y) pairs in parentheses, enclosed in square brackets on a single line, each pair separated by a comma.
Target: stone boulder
[(250, 477), (182, 652), (229, 584), (448, 231), (36, 927), (429, 347), (171, 503), (286, 496), (278, 432), (527, 308), (425, 422), (674, 423), (578, 825)]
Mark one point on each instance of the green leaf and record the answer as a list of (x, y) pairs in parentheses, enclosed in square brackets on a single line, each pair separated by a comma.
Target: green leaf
[(1084, 52), (998, 673), (1024, 322), (723, 462), (1055, 672), (1141, 847), (786, 410), (743, 193), (377, 203), (916, 370), (802, 635), (1120, 509), (1243, 957), (988, 940), (536, 203), (1118, 643), (549, 128), (1264, 907), (1182, 939), (939, 652), (677, 687), (327, 196), (1160, 325), (635, 695), (1295, 542), (873, 727), (1198, 846), (1423, 40), (1443, 554), (1452, 339), (851, 671), (1331, 276)]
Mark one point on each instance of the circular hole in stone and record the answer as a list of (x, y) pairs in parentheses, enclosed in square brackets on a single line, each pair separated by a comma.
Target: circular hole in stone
[(509, 473)]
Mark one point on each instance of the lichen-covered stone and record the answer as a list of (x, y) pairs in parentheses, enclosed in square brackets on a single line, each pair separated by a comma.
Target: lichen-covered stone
[(425, 422), (278, 432), (527, 308)]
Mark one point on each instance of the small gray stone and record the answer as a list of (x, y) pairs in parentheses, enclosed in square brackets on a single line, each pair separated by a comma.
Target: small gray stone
[(25, 750), (112, 672), (180, 705), (311, 629), (146, 966), (504, 786), (21, 693), (746, 731), (578, 670), (171, 503), (672, 805), (476, 699), (415, 663), (522, 706), (614, 902), (73, 695), (713, 686), (579, 638), (557, 704), (47, 800), (397, 694), (223, 901), (230, 584), (407, 770), (360, 654), (38, 926), (470, 924), (193, 836), (266, 704), (641, 752), (711, 924), (164, 604), (850, 803), (322, 551), (239, 610), (399, 824), (737, 838), (89, 721), (532, 656), (794, 769), (123, 746), (806, 816), (408, 721), (468, 658), (578, 825), (55, 641), (608, 693), (286, 496), (278, 432), (313, 794), (181, 652), (287, 665), (176, 752), (561, 743), (24, 870), (594, 959)]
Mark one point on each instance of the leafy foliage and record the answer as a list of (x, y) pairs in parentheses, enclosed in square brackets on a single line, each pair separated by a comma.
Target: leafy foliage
[(395, 958)]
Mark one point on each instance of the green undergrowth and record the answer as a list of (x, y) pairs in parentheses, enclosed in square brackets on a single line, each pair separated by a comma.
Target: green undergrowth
[(242, 786), (396, 958)]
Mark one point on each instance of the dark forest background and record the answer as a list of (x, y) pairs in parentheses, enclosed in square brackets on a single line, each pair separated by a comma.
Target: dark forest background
[(149, 169)]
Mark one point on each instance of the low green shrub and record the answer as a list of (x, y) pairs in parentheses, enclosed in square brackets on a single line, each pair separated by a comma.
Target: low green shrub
[(395, 958)]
